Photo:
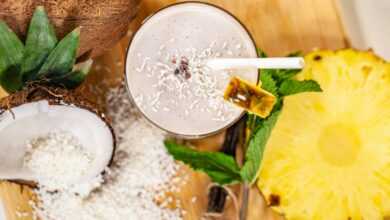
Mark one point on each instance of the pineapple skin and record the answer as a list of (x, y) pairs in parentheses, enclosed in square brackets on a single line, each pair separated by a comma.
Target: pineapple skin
[(328, 157)]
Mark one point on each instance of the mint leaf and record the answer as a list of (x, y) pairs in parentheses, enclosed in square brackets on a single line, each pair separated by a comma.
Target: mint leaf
[(261, 53), (221, 168), (279, 75), (268, 83), (256, 146), (295, 54), (291, 87), (283, 74)]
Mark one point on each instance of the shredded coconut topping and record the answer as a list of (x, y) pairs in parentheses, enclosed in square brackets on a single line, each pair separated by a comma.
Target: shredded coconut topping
[(183, 74)]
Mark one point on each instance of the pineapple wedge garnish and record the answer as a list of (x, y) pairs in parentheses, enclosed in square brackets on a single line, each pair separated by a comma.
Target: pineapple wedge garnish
[(250, 97), (328, 157)]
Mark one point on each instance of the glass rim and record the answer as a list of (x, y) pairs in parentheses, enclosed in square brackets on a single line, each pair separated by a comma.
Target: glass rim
[(175, 134)]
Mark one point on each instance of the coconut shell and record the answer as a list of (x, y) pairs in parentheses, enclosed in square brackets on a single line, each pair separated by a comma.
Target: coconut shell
[(103, 22), (55, 96)]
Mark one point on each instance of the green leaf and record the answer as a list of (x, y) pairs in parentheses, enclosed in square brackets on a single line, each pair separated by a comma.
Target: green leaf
[(74, 78), (268, 83), (291, 87), (256, 146), (62, 58), (11, 54), (12, 79), (83, 66), (261, 53), (295, 54), (283, 74), (41, 40), (221, 168)]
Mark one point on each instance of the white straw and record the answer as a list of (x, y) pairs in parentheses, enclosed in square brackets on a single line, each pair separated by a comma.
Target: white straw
[(260, 63)]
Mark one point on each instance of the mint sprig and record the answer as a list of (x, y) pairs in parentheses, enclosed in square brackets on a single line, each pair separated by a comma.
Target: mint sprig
[(256, 146), (222, 168), (268, 83)]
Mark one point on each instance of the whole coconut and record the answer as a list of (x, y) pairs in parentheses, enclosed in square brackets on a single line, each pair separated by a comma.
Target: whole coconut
[(103, 22)]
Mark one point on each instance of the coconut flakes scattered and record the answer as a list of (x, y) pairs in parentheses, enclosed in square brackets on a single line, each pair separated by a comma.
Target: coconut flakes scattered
[(136, 185)]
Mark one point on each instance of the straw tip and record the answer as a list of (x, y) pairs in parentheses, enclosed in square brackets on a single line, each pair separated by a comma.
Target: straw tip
[(301, 62), (212, 63)]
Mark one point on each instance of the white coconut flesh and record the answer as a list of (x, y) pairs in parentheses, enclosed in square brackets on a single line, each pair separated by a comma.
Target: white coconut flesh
[(36, 119)]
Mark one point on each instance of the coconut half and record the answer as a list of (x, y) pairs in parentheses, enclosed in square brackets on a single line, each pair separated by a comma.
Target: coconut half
[(35, 112)]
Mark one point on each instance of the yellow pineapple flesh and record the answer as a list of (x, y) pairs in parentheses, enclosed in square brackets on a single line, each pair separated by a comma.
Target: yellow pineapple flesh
[(328, 157)]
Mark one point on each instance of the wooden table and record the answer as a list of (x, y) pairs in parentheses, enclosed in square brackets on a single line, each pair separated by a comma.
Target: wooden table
[(278, 26)]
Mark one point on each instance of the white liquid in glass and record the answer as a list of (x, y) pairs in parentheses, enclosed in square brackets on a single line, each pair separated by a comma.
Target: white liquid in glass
[(165, 70)]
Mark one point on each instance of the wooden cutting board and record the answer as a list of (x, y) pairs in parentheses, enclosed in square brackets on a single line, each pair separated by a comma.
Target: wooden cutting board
[(278, 26)]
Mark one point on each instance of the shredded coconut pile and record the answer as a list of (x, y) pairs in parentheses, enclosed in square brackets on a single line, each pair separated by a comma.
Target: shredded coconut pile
[(50, 158), (140, 175)]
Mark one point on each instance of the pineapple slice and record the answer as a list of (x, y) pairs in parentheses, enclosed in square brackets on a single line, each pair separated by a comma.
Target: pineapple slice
[(328, 157)]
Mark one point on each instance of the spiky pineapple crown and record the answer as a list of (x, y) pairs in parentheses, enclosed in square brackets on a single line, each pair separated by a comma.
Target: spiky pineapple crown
[(42, 59)]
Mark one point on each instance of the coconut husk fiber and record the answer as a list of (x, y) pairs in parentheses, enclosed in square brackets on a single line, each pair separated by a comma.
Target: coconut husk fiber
[(103, 22)]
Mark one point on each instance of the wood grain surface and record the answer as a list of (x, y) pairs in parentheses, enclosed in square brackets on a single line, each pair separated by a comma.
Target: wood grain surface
[(278, 26)]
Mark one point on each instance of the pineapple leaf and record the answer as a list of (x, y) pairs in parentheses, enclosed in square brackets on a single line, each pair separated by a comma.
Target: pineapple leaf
[(11, 54), (83, 66), (221, 168), (291, 87), (41, 40), (256, 146), (11, 79), (70, 80), (61, 60), (74, 78)]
